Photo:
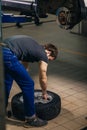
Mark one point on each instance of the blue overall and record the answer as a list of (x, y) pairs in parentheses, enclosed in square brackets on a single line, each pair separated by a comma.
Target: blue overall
[(14, 70)]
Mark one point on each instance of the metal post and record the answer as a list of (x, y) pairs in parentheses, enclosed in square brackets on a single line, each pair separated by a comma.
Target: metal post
[(2, 94)]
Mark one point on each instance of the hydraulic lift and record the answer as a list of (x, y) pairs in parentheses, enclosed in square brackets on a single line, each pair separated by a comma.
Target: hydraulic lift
[(11, 18), (29, 5), (68, 12)]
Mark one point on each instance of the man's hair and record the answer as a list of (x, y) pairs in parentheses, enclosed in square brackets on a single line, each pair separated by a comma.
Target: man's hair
[(52, 48)]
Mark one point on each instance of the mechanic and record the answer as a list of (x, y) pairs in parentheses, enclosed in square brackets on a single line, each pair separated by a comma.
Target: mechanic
[(24, 48)]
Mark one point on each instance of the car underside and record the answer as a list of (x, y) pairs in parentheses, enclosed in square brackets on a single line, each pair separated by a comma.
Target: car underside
[(68, 12)]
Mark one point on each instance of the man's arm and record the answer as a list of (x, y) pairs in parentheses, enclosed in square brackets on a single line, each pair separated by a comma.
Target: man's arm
[(43, 77)]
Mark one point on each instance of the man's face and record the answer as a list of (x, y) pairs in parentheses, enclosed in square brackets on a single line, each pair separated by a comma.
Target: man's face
[(50, 58), (49, 55)]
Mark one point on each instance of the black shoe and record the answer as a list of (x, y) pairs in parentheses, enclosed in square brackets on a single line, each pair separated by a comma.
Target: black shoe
[(9, 114), (37, 122)]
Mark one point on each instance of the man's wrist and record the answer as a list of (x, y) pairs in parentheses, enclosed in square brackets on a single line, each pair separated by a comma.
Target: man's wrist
[(44, 92)]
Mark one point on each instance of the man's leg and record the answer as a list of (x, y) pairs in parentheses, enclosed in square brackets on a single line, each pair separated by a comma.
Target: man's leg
[(23, 79), (14, 69), (26, 84)]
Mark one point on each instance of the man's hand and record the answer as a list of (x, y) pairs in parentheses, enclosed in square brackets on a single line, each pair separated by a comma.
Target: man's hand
[(45, 96)]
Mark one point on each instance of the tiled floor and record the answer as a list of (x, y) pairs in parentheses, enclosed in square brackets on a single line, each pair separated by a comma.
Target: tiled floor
[(67, 80), (70, 82)]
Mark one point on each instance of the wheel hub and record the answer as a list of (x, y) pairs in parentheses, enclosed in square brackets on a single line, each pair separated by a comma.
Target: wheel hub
[(38, 98)]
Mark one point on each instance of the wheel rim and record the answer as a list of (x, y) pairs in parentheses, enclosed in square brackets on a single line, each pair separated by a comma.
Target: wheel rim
[(38, 98), (63, 17)]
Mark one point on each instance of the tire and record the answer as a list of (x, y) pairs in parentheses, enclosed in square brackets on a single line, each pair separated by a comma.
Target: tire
[(45, 109)]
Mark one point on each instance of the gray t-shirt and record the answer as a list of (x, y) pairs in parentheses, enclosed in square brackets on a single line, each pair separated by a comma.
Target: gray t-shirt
[(26, 48)]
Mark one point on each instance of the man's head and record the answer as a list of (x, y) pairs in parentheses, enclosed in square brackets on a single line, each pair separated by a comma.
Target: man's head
[(51, 51)]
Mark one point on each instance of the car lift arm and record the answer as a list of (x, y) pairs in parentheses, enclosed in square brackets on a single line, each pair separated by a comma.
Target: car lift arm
[(10, 18)]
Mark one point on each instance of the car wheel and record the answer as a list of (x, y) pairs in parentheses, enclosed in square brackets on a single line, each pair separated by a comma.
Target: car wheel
[(45, 109)]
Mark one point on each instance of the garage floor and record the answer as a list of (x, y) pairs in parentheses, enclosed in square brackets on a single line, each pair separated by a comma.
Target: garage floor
[(66, 79)]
